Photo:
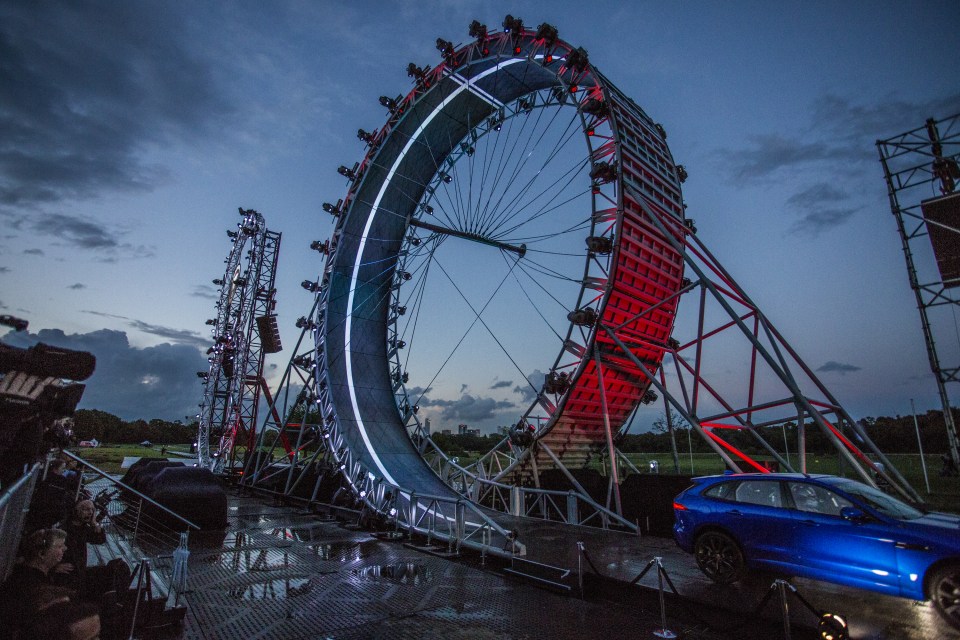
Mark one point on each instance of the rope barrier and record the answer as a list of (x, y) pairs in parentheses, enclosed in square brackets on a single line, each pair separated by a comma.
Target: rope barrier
[(779, 586)]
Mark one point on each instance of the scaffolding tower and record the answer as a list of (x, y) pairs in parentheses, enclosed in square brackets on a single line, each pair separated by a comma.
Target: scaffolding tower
[(921, 170)]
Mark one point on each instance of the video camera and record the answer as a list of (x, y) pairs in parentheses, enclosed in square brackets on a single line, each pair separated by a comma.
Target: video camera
[(35, 400)]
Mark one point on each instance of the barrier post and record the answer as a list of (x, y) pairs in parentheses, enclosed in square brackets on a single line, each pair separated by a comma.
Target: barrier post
[(784, 607), (662, 632)]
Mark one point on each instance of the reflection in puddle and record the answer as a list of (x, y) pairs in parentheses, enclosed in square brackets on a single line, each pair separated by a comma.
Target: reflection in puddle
[(403, 573), (273, 589), (301, 534), (252, 560), (344, 550)]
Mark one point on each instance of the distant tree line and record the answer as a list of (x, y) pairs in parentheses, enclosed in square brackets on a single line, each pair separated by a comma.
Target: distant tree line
[(892, 435), (90, 424)]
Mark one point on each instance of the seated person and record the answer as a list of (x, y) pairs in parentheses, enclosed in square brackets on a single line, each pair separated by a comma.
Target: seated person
[(23, 590), (82, 529)]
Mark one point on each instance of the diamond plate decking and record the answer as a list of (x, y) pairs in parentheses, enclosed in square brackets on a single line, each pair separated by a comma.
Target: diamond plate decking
[(281, 574)]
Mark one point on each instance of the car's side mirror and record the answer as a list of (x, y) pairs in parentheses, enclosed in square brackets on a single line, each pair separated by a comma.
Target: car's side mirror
[(853, 514)]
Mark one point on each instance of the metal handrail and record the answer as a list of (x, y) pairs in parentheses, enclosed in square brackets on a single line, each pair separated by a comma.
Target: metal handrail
[(127, 487)]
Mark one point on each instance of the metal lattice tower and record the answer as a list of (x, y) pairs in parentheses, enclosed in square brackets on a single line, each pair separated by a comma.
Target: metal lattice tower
[(920, 166), (244, 330)]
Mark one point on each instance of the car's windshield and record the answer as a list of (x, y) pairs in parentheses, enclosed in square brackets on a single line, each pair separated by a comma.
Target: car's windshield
[(885, 504)]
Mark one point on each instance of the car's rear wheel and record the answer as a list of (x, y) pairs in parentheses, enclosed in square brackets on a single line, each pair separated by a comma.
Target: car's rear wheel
[(719, 557), (944, 589)]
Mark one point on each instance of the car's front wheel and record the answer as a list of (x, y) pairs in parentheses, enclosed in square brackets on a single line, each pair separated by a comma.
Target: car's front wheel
[(944, 588), (719, 557)]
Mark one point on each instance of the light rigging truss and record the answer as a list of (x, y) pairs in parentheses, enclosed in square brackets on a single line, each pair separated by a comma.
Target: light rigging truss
[(921, 171), (244, 331)]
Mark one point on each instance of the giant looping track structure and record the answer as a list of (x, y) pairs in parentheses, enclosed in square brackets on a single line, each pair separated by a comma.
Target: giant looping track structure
[(606, 231)]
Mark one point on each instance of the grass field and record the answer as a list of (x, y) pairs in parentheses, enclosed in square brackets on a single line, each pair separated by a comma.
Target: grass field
[(109, 457), (944, 492)]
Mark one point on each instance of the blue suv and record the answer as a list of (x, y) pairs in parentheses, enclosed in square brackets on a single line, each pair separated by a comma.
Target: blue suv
[(821, 527)]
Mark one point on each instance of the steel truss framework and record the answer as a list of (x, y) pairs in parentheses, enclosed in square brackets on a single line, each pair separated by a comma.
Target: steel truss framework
[(620, 334), (918, 165), (232, 384)]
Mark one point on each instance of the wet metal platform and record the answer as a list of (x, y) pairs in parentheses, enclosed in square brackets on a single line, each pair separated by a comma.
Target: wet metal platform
[(281, 573)]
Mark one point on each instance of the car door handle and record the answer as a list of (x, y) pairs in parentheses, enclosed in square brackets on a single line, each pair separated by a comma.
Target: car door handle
[(811, 523), (735, 512)]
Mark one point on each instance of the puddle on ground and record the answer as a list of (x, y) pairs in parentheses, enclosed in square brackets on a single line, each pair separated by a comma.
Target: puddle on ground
[(344, 550), (251, 560), (408, 573), (273, 589), (301, 534)]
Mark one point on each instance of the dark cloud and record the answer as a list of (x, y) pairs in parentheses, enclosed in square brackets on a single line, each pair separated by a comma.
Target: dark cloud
[(204, 291), (77, 286), (469, 409), (817, 195), (768, 153), (179, 336), (891, 116), (105, 315), (502, 384), (154, 382), (821, 207), (33, 252), (528, 392), (4, 269), (75, 231), (85, 90), (841, 135), (838, 367), (815, 222)]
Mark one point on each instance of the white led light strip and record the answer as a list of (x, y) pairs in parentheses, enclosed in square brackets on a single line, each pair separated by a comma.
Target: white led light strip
[(363, 242)]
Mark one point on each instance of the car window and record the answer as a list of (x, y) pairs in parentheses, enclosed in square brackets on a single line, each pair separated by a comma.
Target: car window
[(816, 499), (762, 492), (887, 505), (722, 491)]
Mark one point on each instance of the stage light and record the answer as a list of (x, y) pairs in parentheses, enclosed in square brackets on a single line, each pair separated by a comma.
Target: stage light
[(578, 59), (366, 136), (479, 31), (218, 282), (832, 627), (406, 275), (419, 74), (595, 107), (446, 177), (512, 25), (332, 209), (690, 225), (660, 130), (447, 51), (585, 317), (600, 245), (682, 174), (203, 374), (350, 174), (322, 247), (211, 322), (389, 103), (232, 234), (548, 33), (310, 286)]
